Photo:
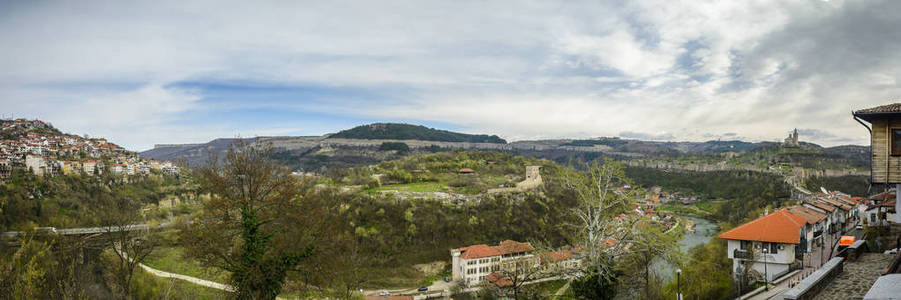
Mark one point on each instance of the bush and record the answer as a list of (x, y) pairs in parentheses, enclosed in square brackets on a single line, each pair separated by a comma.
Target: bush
[(394, 146)]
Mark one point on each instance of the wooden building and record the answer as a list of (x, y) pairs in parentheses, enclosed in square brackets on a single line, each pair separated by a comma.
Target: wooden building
[(885, 145)]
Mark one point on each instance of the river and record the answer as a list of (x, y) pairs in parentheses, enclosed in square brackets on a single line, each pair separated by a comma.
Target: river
[(704, 230)]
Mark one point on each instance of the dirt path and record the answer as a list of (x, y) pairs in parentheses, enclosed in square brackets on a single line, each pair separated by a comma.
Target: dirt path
[(187, 278)]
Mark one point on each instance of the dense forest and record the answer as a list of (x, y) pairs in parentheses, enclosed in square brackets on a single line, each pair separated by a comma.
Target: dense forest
[(28, 201), (852, 185), (395, 131)]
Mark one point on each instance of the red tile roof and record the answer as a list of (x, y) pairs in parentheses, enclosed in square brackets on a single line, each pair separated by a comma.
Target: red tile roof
[(884, 196), (508, 247), (822, 206), (812, 216), (560, 255), (505, 247), (834, 203), (478, 251), (780, 226), (466, 170), (499, 280), (888, 108)]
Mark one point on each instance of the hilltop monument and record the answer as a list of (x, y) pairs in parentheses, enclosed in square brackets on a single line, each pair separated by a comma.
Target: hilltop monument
[(792, 140)]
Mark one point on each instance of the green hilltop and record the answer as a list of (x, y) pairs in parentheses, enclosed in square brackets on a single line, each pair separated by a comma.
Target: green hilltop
[(397, 131)]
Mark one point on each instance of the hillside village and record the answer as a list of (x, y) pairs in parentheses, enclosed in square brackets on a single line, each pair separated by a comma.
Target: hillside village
[(37, 147), (829, 244)]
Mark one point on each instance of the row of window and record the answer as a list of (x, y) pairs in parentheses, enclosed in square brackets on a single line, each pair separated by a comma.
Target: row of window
[(483, 261), (471, 271), (773, 248)]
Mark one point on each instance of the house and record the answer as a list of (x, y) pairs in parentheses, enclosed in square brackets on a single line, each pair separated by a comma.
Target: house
[(561, 260), (770, 243), (880, 209), (466, 171), (885, 145), (841, 212), (92, 167), (471, 265), (5, 168), (814, 227), (35, 164), (830, 211)]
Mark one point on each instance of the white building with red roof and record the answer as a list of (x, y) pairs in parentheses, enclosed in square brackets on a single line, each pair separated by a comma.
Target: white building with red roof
[(473, 264), (771, 242)]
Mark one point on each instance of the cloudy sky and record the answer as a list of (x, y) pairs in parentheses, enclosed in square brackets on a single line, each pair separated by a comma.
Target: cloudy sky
[(157, 72)]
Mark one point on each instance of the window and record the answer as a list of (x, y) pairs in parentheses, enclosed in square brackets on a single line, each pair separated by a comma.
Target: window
[(744, 245), (774, 248), (896, 142)]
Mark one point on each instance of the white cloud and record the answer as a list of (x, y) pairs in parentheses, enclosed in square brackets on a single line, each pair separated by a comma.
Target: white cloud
[(521, 70)]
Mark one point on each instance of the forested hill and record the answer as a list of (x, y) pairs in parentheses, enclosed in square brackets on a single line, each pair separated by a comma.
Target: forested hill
[(395, 131)]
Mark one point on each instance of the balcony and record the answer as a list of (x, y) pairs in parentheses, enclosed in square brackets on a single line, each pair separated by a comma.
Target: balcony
[(742, 254)]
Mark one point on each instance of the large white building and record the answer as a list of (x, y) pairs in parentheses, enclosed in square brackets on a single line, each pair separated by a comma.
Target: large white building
[(472, 264)]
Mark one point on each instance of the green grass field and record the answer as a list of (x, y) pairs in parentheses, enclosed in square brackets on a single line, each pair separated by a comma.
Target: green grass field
[(419, 187), (171, 259)]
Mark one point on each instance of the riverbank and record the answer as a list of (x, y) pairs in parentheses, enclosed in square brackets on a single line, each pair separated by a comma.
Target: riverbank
[(696, 231)]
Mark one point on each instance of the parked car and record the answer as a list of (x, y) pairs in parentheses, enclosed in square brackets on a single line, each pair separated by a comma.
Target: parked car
[(423, 289), (384, 293), (447, 279)]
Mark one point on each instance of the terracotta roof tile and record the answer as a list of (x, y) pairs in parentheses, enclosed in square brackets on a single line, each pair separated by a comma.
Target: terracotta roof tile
[(822, 206), (812, 216), (499, 280), (888, 108), (508, 246), (780, 226), (560, 255), (884, 196), (834, 203), (505, 247), (478, 251)]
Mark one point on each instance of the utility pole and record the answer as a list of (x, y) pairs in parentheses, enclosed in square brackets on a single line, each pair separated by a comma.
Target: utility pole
[(678, 284), (766, 278)]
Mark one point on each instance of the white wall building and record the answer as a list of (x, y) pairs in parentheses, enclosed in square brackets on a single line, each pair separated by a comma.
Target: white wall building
[(472, 264), (770, 243)]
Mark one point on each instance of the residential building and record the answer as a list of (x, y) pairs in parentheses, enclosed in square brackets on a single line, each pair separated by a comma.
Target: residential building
[(35, 164), (5, 168), (471, 265), (885, 145), (769, 243), (814, 228)]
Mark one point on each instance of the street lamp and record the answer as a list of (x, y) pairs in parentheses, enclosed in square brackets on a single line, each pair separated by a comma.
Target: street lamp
[(766, 279), (678, 284)]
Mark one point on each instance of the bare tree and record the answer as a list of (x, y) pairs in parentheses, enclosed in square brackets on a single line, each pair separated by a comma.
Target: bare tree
[(602, 232), (131, 241)]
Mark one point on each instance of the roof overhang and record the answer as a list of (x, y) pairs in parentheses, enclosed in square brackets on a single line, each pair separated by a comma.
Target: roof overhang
[(873, 116)]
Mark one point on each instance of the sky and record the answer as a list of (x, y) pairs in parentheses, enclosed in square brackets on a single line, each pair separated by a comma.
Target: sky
[(155, 72)]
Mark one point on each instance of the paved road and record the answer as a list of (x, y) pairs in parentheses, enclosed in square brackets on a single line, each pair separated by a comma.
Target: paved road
[(89, 230)]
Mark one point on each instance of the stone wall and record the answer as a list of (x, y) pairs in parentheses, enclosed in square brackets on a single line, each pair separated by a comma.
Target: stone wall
[(817, 281), (533, 180)]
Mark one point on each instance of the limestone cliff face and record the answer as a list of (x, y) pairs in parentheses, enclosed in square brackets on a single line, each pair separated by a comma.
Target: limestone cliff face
[(723, 166)]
